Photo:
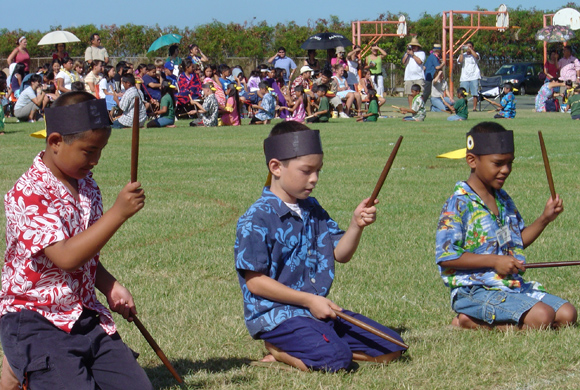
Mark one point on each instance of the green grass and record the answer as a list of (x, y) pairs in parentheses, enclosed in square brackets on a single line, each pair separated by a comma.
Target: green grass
[(176, 255)]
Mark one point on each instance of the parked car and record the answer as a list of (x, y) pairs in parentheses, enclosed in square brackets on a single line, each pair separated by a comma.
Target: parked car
[(527, 77)]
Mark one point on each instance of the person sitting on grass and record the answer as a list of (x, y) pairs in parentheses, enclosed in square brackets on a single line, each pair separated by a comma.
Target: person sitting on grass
[(417, 105), (480, 244), (55, 336), (285, 281), (30, 101), (127, 104), (298, 105), (166, 111), (459, 109), (267, 107), (322, 113), (373, 113), (208, 111), (507, 105), (233, 107), (574, 104)]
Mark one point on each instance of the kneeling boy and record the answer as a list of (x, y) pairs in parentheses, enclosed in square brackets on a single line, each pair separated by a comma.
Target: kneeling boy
[(55, 333), (480, 241), (285, 249)]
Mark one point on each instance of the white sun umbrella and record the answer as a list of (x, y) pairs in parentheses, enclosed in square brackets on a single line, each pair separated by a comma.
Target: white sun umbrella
[(52, 38)]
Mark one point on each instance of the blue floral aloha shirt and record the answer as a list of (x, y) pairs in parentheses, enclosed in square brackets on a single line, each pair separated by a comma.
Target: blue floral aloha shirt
[(467, 225), (269, 108), (508, 103), (297, 252)]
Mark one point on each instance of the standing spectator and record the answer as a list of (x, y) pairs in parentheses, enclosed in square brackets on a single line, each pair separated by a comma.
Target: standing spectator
[(196, 56), (60, 53), (312, 61), (353, 62), (96, 51), (551, 68), (279, 60), (174, 58), (432, 65), (470, 74), (413, 60), (569, 66), (339, 59), (375, 66), (20, 54)]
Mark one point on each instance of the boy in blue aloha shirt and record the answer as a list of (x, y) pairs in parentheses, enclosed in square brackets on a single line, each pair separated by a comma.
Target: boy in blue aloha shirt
[(267, 107), (507, 105), (285, 249), (480, 241)]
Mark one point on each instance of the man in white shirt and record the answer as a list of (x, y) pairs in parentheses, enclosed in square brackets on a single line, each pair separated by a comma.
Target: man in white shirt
[(470, 74), (413, 60), (96, 51)]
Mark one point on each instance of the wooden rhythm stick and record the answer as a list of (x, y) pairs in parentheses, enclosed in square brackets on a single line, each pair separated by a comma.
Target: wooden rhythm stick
[(134, 161), (547, 166), (396, 107), (384, 174), (370, 329), (552, 264)]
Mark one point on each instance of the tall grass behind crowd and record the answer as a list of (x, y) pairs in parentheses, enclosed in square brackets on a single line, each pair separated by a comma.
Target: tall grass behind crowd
[(176, 255)]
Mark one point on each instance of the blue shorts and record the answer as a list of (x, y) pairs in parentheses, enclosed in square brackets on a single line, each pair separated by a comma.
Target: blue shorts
[(472, 87), (496, 306), (85, 358), (328, 345)]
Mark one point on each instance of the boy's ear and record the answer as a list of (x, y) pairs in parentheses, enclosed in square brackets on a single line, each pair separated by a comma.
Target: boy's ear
[(54, 140), (471, 160), (275, 166)]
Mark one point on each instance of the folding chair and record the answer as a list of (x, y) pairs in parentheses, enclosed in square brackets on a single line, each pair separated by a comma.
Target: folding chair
[(489, 87)]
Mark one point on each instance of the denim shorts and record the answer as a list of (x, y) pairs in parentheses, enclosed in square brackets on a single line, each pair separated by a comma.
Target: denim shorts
[(496, 306), (472, 86)]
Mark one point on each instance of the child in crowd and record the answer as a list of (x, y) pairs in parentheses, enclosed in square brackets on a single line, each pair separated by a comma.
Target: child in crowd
[(574, 104), (298, 107), (568, 92), (459, 109), (507, 105), (106, 87), (322, 113), (254, 80), (94, 77), (285, 282), (55, 336), (480, 241), (267, 107), (373, 113), (417, 106), (233, 105), (166, 111), (209, 109), (224, 73)]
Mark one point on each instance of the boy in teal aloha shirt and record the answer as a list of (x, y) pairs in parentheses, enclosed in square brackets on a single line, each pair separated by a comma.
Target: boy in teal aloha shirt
[(480, 241)]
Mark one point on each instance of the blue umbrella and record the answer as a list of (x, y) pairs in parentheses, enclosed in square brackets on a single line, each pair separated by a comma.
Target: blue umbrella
[(164, 40)]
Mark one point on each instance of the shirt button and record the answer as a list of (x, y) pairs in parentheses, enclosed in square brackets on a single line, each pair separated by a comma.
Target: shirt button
[(309, 252), (313, 280)]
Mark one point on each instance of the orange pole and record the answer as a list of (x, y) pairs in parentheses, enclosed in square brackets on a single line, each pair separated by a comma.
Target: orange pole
[(451, 51)]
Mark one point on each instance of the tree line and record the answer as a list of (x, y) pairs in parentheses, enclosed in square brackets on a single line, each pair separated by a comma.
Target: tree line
[(220, 41)]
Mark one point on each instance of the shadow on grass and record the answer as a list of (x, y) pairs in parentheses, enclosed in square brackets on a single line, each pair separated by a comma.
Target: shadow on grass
[(162, 378)]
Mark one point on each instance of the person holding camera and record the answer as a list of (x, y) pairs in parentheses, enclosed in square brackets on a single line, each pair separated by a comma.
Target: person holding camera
[(375, 66), (470, 74), (28, 105), (413, 60)]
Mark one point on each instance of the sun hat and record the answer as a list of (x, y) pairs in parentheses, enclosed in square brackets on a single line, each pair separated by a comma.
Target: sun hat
[(415, 42), (306, 68)]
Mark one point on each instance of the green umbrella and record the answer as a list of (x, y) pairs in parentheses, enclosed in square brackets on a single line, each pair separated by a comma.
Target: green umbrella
[(164, 40)]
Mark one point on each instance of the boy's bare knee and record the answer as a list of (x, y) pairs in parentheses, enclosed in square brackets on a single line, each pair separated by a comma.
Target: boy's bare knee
[(566, 315), (539, 316)]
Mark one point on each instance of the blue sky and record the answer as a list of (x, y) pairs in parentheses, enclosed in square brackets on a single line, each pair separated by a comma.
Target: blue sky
[(41, 14)]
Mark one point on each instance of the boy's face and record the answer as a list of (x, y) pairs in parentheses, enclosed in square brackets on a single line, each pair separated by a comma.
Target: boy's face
[(320, 93), (296, 178), (76, 160), (491, 169), (414, 92)]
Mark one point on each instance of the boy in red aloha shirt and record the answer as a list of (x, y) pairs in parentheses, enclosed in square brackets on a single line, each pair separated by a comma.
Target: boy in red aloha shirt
[(55, 333)]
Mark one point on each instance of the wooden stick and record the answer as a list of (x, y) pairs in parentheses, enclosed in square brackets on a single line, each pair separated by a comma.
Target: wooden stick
[(156, 348), (135, 142), (370, 329), (547, 166), (385, 172), (552, 264), (134, 161)]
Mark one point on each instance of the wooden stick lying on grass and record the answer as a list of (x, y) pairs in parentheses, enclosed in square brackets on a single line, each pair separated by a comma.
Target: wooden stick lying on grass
[(134, 164), (385, 172), (547, 166), (370, 329), (552, 264)]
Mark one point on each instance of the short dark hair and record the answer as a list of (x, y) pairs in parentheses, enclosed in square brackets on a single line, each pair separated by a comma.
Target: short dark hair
[(77, 86), (282, 48), (93, 35), (35, 77), (416, 87), (128, 78), (487, 127), (173, 48), (327, 73), (509, 85), (462, 92), (322, 87), (287, 127), (263, 85)]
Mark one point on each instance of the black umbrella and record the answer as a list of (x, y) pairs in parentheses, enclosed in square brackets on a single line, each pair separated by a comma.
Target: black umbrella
[(324, 41)]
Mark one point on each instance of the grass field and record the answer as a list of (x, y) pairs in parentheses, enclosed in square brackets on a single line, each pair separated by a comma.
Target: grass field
[(176, 255)]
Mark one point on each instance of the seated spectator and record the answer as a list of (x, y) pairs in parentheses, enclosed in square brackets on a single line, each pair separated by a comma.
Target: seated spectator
[(441, 98), (417, 107), (28, 105), (546, 92), (127, 104), (297, 106), (224, 72), (152, 83), (196, 56), (77, 86), (66, 76), (267, 107), (459, 109), (507, 105), (212, 77), (94, 77), (343, 91), (107, 87), (365, 84), (60, 52), (568, 91), (166, 111), (209, 110), (56, 65), (311, 61), (174, 58), (574, 104), (80, 70), (168, 73), (120, 70), (340, 58), (17, 78), (233, 106), (241, 83), (254, 80), (322, 113), (373, 112), (331, 87), (189, 85)]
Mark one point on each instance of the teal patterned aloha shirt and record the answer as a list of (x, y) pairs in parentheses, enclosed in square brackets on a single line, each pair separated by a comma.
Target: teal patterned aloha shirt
[(467, 225)]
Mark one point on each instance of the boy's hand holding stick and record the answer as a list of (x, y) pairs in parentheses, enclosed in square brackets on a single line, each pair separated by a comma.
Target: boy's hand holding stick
[(134, 164), (551, 264), (370, 329)]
